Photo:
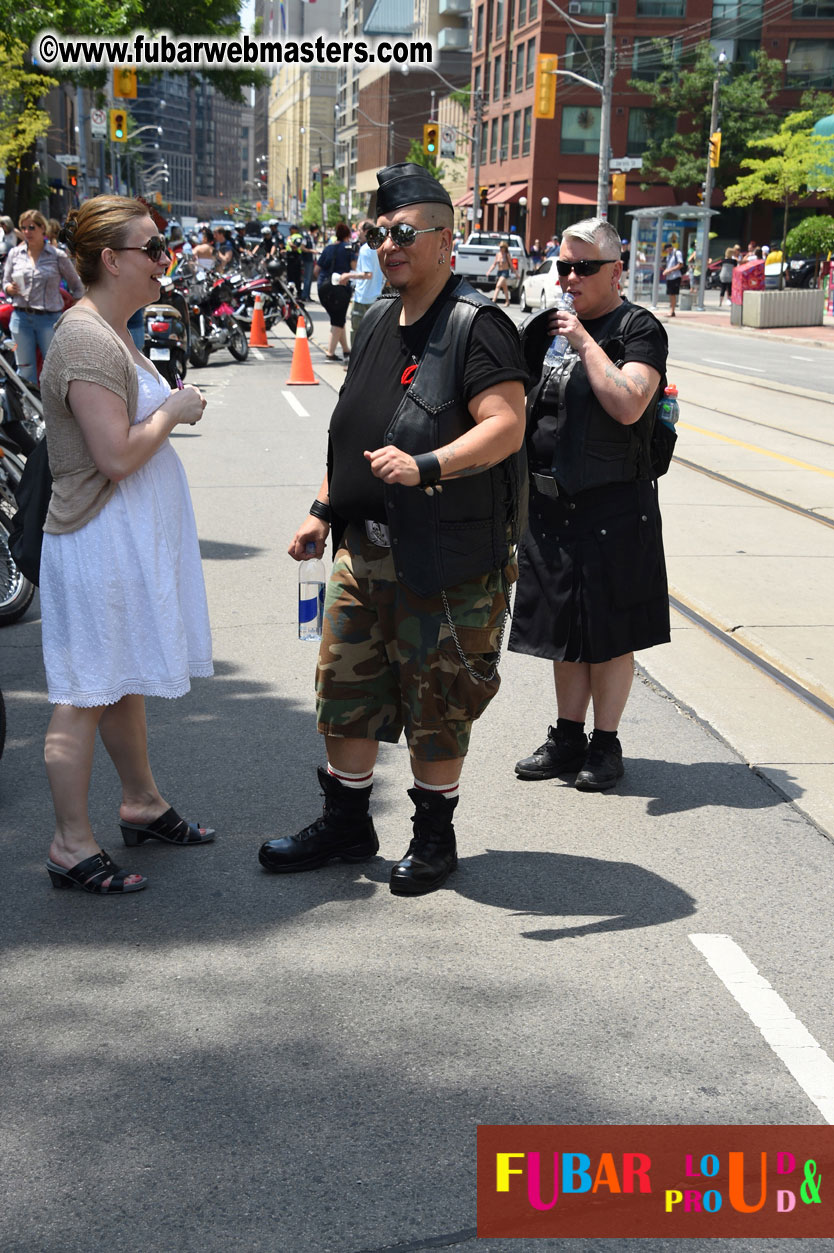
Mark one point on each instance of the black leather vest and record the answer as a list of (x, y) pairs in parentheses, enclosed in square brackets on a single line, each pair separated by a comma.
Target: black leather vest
[(591, 448), (466, 529)]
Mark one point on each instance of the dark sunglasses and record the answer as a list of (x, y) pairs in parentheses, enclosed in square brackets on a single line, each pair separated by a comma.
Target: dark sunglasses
[(402, 235), (582, 269), (155, 248)]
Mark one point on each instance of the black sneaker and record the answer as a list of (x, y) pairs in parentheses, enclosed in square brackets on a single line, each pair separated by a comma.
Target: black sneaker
[(556, 756), (602, 768)]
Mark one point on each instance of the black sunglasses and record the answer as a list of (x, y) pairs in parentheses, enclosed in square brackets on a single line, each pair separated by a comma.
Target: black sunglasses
[(403, 235), (155, 248), (582, 269)]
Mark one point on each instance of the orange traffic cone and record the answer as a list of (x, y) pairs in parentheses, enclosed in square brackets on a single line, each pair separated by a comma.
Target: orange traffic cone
[(301, 370), (257, 333)]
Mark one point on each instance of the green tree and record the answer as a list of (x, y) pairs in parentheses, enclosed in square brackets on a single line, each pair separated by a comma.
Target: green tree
[(415, 153), (681, 97), (799, 164), (813, 237), (22, 120), (334, 190)]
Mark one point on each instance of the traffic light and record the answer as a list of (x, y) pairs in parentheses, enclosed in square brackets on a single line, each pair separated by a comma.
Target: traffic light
[(430, 136), (715, 149), (72, 175), (118, 126), (702, 191), (544, 91), (124, 83), (618, 186)]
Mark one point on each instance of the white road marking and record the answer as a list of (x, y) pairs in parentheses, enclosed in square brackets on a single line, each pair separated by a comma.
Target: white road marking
[(295, 403), (792, 1043), (795, 358), (734, 365), (257, 354)]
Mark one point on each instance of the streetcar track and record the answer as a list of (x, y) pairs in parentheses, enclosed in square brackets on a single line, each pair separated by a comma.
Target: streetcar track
[(769, 668), (755, 491), (765, 426)]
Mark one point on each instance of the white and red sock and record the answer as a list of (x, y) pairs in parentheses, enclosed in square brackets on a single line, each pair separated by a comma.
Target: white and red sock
[(449, 791), (354, 781)]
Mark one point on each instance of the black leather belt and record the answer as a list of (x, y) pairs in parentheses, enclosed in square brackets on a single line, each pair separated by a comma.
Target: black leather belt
[(37, 312)]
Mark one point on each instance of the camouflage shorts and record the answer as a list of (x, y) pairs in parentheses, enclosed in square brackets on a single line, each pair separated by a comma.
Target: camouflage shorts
[(388, 662)]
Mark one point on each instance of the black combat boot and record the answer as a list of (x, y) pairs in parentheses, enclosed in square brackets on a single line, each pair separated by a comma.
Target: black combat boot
[(432, 853), (559, 754), (345, 830)]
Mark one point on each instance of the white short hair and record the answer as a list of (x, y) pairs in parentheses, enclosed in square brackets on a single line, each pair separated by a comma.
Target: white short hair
[(597, 232)]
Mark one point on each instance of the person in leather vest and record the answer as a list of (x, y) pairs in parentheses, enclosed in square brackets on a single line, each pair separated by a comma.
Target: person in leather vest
[(423, 493), (592, 584)]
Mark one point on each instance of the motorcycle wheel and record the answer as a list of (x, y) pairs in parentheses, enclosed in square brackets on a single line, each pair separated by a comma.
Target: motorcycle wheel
[(238, 345), (199, 353), (292, 321), (16, 592)]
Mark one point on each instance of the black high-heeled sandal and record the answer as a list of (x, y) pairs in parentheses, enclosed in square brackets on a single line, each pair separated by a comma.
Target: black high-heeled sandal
[(90, 874), (170, 828)]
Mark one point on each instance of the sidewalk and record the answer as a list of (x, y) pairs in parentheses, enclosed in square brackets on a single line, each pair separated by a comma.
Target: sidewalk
[(712, 318)]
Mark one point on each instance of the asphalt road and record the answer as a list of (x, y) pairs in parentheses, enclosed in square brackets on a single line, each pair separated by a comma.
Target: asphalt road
[(236, 1061)]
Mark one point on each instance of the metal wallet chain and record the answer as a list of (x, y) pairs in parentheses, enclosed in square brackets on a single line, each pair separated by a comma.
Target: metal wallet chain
[(493, 670)]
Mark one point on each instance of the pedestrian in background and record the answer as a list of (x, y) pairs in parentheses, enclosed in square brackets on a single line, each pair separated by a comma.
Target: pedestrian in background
[(504, 265), (122, 596), (335, 259), (32, 277), (671, 275), (536, 254), (366, 279), (418, 592), (592, 584), (552, 249), (9, 238), (725, 275), (308, 253)]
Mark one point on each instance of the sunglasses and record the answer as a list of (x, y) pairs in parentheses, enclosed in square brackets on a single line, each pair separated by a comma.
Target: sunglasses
[(402, 235), (582, 269), (155, 248)]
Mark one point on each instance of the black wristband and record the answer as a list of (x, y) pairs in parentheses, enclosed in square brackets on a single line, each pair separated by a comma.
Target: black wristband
[(428, 467), (320, 510)]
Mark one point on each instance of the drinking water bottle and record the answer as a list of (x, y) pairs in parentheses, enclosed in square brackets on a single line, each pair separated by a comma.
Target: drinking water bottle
[(560, 345), (669, 407), (311, 585)]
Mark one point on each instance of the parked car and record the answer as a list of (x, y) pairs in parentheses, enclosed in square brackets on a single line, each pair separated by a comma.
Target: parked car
[(540, 289), (801, 272)]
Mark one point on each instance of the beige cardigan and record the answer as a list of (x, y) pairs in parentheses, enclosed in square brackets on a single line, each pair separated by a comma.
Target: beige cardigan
[(84, 347)]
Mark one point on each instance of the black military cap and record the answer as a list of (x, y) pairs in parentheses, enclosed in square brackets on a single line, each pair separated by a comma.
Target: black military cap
[(408, 183)]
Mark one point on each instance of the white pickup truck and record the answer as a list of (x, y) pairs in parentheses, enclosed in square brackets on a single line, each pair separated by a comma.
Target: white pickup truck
[(472, 260)]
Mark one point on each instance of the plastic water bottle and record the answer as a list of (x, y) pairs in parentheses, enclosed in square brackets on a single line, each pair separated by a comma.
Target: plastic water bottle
[(311, 585), (669, 407), (560, 345)]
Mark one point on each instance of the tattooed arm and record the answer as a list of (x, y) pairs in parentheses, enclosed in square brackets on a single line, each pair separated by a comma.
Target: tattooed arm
[(498, 414), (622, 391)]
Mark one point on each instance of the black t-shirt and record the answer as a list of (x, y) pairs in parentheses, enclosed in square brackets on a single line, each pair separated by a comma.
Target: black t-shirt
[(644, 341), (375, 387)]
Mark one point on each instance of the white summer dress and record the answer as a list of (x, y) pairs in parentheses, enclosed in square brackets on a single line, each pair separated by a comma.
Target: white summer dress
[(123, 601)]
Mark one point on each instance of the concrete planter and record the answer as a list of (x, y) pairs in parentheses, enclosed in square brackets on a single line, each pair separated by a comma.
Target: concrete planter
[(800, 306)]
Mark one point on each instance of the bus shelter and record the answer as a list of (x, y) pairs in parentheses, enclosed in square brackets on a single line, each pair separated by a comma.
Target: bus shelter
[(651, 230)]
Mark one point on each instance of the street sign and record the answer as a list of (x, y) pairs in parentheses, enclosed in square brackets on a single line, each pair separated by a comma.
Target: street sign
[(447, 141), (625, 163), (66, 158), (98, 123)]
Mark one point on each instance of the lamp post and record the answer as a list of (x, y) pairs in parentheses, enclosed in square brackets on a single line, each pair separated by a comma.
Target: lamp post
[(545, 202), (713, 123)]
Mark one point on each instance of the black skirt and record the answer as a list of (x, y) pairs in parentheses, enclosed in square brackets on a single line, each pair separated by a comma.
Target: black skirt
[(592, 576)]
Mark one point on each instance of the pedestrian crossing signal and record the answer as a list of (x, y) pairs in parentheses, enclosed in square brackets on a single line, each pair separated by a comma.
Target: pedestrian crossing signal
[(118, 126), (544, 90), (430, 135)]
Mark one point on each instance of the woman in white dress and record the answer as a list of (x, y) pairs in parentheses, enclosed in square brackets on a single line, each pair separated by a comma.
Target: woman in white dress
[(122, 595)]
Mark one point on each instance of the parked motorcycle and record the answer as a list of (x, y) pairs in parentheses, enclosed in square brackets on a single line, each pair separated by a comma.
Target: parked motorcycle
[(16, 592), (213, 324), (168, 333), (280, 300)]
